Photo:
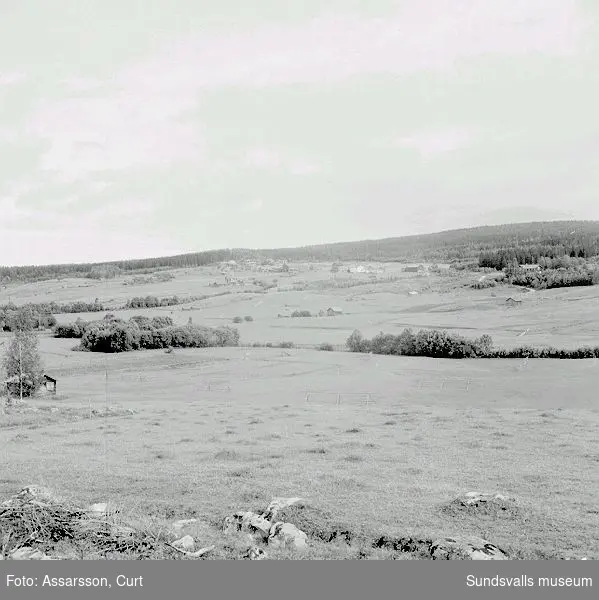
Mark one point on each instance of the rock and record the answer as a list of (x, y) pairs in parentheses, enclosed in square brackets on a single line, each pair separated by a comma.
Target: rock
[(255, 553), (466, 548), (186, 543), (97, 510), (277, 504), (286, 535), (247, 521), (28, 554), (257, 525), (484, 504), (179, 525), (472, 498)]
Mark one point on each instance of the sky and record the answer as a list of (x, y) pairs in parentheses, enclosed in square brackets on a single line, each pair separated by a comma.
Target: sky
[(138, 128)]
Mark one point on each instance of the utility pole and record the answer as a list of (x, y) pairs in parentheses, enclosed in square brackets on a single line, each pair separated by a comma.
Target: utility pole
[(20, 370)]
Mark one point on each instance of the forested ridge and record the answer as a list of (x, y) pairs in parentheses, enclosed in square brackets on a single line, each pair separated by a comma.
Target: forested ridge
[(492, 246)]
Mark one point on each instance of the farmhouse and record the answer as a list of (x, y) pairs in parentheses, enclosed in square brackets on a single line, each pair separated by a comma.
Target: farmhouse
[(333, 311), (530, 267)]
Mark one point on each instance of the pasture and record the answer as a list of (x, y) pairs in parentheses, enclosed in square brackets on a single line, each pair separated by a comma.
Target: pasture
[(381, 442)]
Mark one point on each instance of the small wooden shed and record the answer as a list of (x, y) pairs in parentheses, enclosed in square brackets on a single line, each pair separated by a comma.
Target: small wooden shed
[(50, 383)]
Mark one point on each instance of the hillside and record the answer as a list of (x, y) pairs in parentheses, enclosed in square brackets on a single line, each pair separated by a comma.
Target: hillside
[(577, 238)]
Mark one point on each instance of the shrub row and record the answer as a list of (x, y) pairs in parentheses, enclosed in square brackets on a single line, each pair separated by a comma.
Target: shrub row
[(550, 352), (441, 344), (25, 318), (433, 343), (556, 278), (142, 333), (153, 302)]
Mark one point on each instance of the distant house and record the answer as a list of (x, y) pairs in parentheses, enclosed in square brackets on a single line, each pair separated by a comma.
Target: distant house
[(410, 269), (333, 311), (50, 383), (530, 267), (513, 302)]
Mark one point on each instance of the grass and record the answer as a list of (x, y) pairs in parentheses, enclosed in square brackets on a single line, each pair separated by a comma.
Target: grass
[(219, 430), (389, 480)]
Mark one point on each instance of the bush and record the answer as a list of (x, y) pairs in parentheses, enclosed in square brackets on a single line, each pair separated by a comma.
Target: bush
[(301, 313), (356, 343), (160, 322), (120, 336), (325, 347), (483, 284), (237, 320), (286, 345), (248, 318), (152, 302), (69, 330), (433, 343)]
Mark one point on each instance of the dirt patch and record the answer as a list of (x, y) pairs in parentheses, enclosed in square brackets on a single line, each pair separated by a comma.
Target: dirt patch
[(319, 524), (419, 548), (486, 505)]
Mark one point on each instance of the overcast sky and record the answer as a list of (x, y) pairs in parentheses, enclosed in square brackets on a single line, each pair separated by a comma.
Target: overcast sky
[(133, 128)]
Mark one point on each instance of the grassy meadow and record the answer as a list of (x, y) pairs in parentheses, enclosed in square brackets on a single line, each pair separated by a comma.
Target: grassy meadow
[(380, 442)]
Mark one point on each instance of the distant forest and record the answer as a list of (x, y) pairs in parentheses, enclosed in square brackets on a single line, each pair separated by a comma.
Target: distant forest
[(491, 246)]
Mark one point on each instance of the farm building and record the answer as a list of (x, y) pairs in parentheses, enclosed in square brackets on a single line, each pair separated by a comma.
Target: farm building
[(333, 311), (530, 267), (410, 269), (513, 302), (50, 383)]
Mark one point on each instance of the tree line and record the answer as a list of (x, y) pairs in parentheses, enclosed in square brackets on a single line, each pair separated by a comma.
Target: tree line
[(530, 241), (435, 343)]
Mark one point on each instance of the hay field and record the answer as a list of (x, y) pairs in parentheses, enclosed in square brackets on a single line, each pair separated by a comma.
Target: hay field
[(382, 442)]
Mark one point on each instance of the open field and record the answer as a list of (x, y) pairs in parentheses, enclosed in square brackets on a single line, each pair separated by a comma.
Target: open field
[(562, 317), (382, 442)]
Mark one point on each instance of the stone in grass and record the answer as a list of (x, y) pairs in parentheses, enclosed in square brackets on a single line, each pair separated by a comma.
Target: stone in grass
[(247, 521), (186, 543), (466, 548), (483, 504), (286, 535), (178, 526), (255, 553), (28, 554), (99, 509), (277, 504)]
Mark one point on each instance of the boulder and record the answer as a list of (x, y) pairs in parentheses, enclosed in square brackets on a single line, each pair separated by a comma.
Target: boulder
[(178, 526), (97, 510), (474, 498), (247, 521), (277, 504), (28, 554), (286, 535), (186, 543), (255, 553), (466, 548)]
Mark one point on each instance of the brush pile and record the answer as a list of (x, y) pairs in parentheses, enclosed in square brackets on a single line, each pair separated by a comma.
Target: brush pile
[(37, 519)]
